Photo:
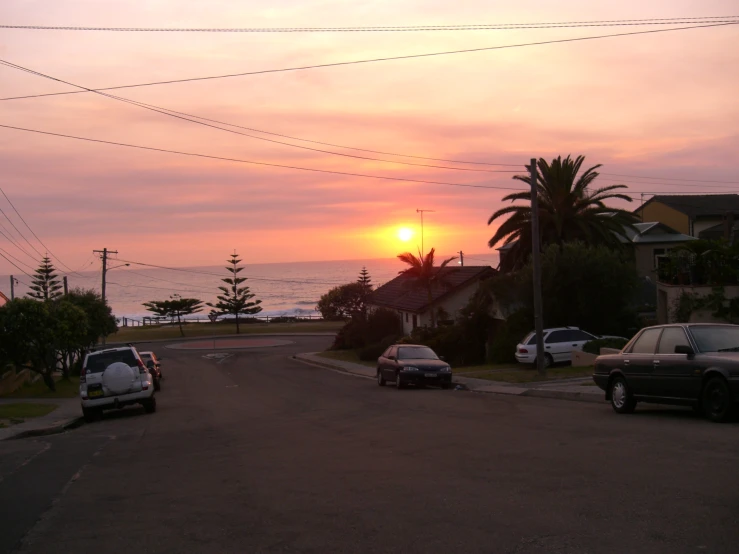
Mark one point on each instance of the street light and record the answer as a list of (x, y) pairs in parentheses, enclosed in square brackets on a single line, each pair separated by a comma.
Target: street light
[(421, 212)]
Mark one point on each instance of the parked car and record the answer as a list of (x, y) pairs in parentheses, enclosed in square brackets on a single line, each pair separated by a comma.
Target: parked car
[(692, 365), (559, 342), (154, 365), (413, 364), (113, 378)]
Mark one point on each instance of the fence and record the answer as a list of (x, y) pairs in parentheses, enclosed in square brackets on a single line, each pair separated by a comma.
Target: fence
[(145, 321)]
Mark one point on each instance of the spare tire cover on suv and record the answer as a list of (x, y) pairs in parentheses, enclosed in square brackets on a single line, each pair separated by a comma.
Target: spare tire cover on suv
[(118, 377)]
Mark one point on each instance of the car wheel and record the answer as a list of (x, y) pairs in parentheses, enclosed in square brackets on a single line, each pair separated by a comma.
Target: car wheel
[(157, 385), (621, 399), (398, 382), (380, 379), (717, 403), (548, 360), (150, 405)]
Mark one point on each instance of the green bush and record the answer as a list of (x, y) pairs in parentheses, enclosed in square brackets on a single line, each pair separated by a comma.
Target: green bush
[(503, 346), (374, 351), (360, 332), (594, 346)]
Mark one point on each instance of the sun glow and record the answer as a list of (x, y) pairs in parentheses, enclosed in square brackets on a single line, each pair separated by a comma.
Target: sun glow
[(405, 234)]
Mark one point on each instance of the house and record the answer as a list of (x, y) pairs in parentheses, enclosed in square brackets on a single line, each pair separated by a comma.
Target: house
[(412, 302), (3, 299), (649, 241), (690, 214)]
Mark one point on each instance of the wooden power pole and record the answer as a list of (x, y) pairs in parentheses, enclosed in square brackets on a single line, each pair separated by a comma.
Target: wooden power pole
[(536, 259)]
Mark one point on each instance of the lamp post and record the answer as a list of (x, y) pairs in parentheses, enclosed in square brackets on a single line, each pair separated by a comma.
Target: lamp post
[(421, 212)]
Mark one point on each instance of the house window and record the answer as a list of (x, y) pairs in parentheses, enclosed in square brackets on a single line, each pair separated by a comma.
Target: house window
[(656, 253)]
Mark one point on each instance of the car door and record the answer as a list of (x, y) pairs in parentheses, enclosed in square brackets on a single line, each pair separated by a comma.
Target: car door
[(556, 345), (387, 365), (673, 374), (578, 339), (638, 362)]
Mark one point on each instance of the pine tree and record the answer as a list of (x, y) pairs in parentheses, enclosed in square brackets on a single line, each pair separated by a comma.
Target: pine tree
[(364, 278), (236, 300), (45, 284)]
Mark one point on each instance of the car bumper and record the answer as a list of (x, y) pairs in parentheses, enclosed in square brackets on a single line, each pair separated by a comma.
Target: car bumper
[(421, 378), (525, 358), (601, 379), (118, 401)]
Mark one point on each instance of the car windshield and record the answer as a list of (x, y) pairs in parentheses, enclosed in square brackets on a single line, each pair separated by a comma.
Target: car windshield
[(96, 363), (416, 353), (145, 356), (716, 338)]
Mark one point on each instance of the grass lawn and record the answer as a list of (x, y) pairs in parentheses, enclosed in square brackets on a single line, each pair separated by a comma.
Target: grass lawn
[(153, 332), (347, 356), (64, 389), (516, 375), (25, 410)]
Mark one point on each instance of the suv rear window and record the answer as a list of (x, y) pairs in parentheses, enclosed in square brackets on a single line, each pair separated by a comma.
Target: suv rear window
[(96, 363)]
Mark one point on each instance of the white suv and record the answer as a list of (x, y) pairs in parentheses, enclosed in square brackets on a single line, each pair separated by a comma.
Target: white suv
[(113, 378), (559, 342)]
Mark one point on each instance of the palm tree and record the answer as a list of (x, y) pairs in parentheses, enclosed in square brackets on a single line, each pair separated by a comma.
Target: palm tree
[(424, 275), (568, 211)]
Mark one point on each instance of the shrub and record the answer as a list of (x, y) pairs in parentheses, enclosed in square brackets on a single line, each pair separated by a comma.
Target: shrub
[(594, 346), (358, 332), (374, 351), (503, 346)]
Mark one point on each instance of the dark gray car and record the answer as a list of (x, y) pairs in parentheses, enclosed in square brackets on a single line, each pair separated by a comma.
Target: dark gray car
[(682, 364), (413, 364)]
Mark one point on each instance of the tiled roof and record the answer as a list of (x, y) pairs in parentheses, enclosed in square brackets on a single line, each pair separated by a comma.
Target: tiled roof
[(652, 232), (700, 205), (400, 294)]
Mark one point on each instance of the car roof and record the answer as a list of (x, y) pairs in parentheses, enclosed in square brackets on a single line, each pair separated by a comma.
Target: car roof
[(417, 345), (117, 349)]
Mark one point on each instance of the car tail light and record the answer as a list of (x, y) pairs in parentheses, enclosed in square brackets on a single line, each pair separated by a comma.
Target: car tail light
[(82, 375), (523, 351)]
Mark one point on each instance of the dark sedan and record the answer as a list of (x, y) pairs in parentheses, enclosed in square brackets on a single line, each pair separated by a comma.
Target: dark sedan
[(412, 364), (683, 364)]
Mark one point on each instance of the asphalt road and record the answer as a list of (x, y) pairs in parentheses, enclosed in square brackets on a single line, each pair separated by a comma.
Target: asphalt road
[(261, 453)]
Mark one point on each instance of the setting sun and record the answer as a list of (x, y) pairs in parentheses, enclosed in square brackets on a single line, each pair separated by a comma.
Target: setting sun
[(405, 234)]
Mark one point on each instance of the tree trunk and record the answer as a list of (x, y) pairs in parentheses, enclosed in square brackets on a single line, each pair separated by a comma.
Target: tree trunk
[(49, 381), (179, 322), (237, 324)]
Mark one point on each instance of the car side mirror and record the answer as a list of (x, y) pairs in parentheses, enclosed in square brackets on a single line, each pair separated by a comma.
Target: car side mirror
[(685, 349)]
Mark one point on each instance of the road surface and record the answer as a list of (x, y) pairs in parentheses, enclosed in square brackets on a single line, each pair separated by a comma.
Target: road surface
[(257, 452)]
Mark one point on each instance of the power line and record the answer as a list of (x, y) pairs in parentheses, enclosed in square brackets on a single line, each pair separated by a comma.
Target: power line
[(670, 178), (14, 265), (11, 239), (188, 117), (34, 234), (16, 259), (184, 270), (374, 60), (401, 28), (160, 288), (237, 160)]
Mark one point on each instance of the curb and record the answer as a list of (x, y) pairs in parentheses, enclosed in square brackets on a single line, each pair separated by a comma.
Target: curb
[(53, 430), (506, 390), (329, 366), (210, 337)]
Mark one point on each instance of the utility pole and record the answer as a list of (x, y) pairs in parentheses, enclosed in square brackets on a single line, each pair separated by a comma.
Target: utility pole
[(461, 258), (536, 258), (105, 253), (66, 288), (12, 287), (421, 212)]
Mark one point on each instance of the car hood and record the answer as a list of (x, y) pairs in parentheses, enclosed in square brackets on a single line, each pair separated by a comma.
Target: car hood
[(424, 364)]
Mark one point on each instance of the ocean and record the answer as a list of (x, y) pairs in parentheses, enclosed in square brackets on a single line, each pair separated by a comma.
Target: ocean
[(285, 289)]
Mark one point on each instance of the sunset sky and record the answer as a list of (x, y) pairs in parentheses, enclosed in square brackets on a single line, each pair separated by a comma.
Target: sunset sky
[(662, 105)]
